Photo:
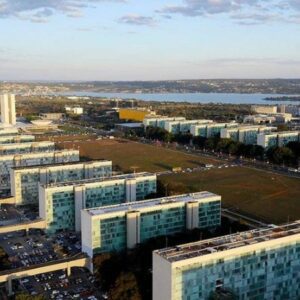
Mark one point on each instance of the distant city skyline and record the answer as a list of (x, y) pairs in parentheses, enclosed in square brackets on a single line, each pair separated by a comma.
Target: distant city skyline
[(149, 40)]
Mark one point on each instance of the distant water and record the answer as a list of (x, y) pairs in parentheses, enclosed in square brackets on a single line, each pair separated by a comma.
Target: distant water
[(190, 97)]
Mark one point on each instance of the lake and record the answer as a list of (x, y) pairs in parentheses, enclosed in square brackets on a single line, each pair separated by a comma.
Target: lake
[(190, 97)]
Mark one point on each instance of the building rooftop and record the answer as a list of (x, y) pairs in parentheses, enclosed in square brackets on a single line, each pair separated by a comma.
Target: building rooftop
[(95, 180), (250, 127), (228, 242), (36, 154), (62, 164), (130, 125), (132, 206), (26, 144), (283, 133)]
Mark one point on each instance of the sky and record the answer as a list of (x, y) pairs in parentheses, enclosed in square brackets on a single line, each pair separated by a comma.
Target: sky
[(149, 39)]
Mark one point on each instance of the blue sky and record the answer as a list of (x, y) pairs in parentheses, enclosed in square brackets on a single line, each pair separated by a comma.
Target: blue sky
[(149, 40)]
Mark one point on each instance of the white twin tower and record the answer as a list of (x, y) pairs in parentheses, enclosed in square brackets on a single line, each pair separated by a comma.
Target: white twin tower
[(8, 110)]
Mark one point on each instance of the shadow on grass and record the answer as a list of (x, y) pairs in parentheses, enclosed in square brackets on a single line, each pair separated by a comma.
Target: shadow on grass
[(164, 166)]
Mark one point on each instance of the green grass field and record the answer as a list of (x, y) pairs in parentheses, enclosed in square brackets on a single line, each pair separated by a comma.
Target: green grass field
[(274, 198), (127, 154)]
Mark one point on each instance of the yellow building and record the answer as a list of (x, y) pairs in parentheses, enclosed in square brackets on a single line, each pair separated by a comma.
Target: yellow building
[(134, 114)]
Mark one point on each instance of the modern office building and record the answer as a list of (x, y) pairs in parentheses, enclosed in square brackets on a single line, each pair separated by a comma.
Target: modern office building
[(8, 131), (135, 114), (60, 204), (183, 126), (256, 264), (264, 109), (210, 130), (277, 139), (117, 227), (294, 110), (259, 119), (245, 134), (277, 118), (160, 121), (14, 139), (20, 148), (30, 159), (76, 110), (24, 180), (8, 109)]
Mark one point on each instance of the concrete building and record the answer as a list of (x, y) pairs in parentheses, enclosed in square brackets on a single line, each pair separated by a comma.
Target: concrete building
[(277, 139), (135, 114), (264, 109), (117, 227), (281, 108), (183, 126), (283, 117), (76, 110), (24, 180), (259, 119), (8, 131), (268, 119), (30, 159), (159, 121), (210, 130), (294, 110), (245, 134), (60, 204), (129, 128), (14, 139), (21, 148), (8, 109), (257, 264)]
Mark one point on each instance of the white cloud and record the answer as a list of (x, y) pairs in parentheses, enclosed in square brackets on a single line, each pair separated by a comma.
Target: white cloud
[(137, 20), (41, 10), (245, 12)]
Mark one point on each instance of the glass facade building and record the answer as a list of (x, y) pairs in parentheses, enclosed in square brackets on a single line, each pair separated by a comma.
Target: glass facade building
[(32, 159), (256, 264), (246, 134), (21, 148), (25, 180), (11, 139), (115, 228), (278, 139), (60, 204), (210, 130)]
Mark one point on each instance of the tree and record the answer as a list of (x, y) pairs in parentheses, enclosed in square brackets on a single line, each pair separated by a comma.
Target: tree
[(199, 141), (295, 147), (156, 133), (4, 262), (182, 138), (25, 296), (125, 288), (280, 155)]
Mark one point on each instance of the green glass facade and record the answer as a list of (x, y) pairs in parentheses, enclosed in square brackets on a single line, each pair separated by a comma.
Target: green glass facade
[(60, 203), (27, 179), (109, 233), (262, 274)]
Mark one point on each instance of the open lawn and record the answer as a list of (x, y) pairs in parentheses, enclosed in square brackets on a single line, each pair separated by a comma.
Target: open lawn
[(274, 198), (65, 137), (127, 154)]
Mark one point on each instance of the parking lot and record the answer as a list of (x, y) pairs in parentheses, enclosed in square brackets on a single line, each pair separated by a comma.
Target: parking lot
[(10, 215), (28, 250), (56, 285)]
